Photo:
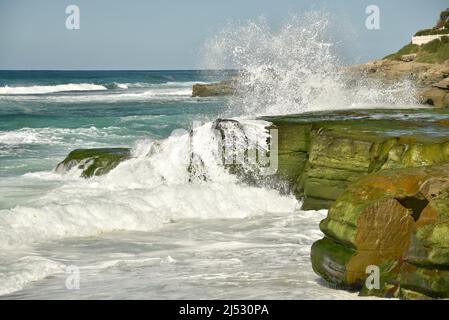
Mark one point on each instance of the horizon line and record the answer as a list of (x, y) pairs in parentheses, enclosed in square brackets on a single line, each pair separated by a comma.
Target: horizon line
[(118, 70)]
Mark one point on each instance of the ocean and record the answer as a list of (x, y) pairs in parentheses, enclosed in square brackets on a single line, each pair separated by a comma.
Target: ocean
[(145, 230)]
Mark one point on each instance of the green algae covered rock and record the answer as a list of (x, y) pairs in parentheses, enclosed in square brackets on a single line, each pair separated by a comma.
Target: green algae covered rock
[(386, 182), (320, 155), (293, 147), (329, 260), (93, 162), (396, 219)]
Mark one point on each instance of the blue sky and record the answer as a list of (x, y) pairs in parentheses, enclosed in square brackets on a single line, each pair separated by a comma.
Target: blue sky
[(168, 34)]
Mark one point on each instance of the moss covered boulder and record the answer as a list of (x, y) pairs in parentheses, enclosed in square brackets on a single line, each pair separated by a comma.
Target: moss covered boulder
[(397, 220), (93, 162)]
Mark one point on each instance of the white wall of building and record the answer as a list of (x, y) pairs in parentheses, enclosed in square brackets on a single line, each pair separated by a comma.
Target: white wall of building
[(419, 40)]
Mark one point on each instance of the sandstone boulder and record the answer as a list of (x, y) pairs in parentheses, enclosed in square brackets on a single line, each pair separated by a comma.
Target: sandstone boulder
[(397, 220), (408, 57)]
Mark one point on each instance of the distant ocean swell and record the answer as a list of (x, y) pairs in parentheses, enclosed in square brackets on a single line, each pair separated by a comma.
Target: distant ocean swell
[(168, 88)]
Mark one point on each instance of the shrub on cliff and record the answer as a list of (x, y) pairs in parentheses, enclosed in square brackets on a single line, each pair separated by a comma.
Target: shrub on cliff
[(428, 32), (432, 46), (435, 51), (408, 49)]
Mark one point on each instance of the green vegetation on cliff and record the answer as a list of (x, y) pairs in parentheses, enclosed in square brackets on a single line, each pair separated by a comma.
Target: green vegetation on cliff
[(407, 49), (435, 51), (428, 32), (442, 26)]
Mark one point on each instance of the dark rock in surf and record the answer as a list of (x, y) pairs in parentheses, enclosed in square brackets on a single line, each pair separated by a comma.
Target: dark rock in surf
[(93, 162)]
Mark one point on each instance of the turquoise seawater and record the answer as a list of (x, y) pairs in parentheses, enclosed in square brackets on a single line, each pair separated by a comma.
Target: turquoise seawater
[(46, 114), (40, 121), (144, 230)]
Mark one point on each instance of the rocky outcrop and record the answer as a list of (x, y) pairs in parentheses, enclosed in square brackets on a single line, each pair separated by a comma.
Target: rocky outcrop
[(430, 79), (93, 162), (385, 176), (397, 220), (408, 57), (223, 88), (321, 158)]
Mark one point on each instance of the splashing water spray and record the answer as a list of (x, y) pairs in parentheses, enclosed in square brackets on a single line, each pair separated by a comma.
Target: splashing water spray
[(294, 69)]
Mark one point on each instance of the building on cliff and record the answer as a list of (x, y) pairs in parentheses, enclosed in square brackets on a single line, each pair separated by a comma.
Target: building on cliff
[(440, 30)]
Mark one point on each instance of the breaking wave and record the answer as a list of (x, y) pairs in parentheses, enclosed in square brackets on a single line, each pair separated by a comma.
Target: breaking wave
[(55, 136), (136, 90), (39, 89), (157, 185)]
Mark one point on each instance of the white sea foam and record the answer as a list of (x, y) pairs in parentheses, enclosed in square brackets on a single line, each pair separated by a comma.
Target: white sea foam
[(147, 94), (47, 135), (264, 257), (17, 273), (51, 88), (183, 83), (176, 84), (111, 92), (145, 192), (122, 86), (161, 93), (24, 136)]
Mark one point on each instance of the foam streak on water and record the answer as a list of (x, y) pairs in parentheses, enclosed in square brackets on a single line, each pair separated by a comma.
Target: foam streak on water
[(51, 89), (261, 257)]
